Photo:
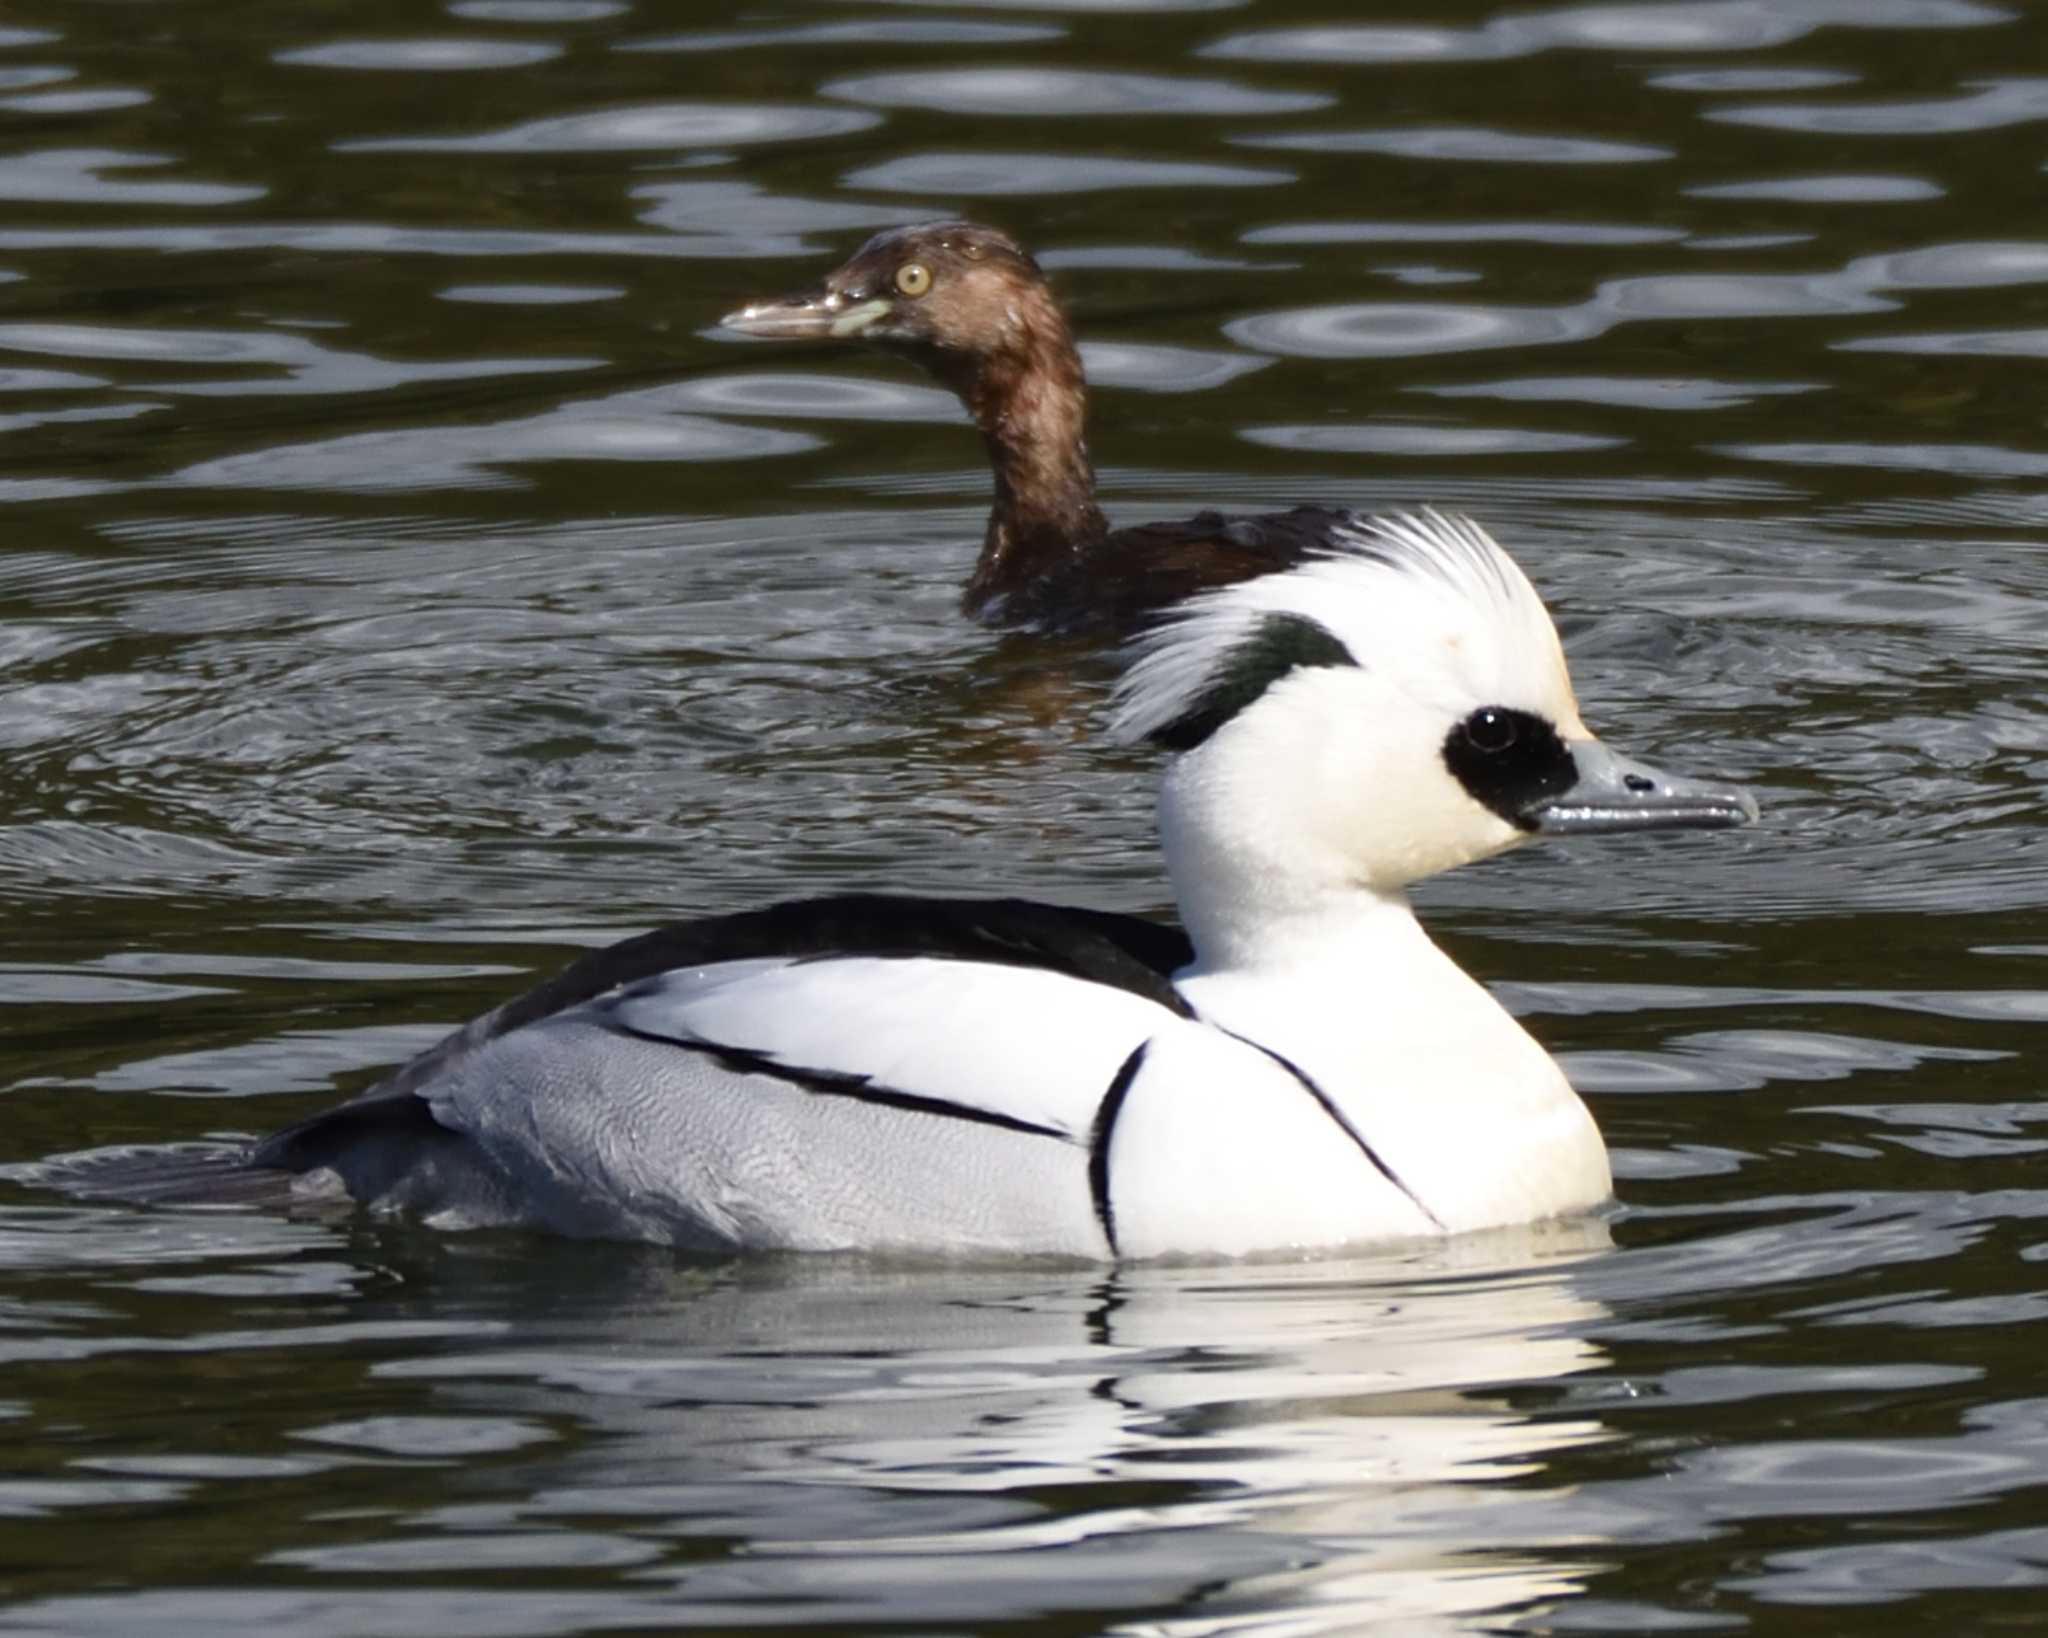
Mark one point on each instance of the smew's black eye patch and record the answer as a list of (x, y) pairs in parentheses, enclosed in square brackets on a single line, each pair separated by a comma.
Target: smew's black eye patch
[(1509, 760)]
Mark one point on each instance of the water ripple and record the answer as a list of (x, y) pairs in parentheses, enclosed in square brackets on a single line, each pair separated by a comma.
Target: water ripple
[(396, 239), (1963, 266), (1894, 1568), (1150, 257), (531, 295), (1660, 393), (1426, 233), (1737, 295), (1165, 369), (1133, 8), (812, 396), (628, 130), (628, 427), (988, 175), (853, 31), (538, 11), (28, 986), (1364, 44), (1690, 25), (432, 56), (430, 1436), (1373, 330), (1992, 105), (71, 176), (1391, 438), (1408, 329), (309, 368), (1466, 144), (84, 99), (1963, 460), (473, 1551), (736, 218), (306, 1061), (1066, 92), (1964, 344), (1731, 80), (1832, 190)]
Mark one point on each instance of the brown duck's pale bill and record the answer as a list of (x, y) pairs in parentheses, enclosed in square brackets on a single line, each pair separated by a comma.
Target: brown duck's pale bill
[(1613, 793), (829, 317)]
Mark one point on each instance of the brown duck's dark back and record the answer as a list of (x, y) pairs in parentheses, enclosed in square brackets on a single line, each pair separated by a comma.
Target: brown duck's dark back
[(1129, 577)]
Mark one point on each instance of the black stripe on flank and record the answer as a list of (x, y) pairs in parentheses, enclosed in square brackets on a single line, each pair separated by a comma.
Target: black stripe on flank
[(1099, 1137), (842, 1084), (1330, 1108)]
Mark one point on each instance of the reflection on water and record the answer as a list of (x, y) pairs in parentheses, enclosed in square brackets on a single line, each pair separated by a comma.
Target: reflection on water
[(406, 585), (891, 1445)]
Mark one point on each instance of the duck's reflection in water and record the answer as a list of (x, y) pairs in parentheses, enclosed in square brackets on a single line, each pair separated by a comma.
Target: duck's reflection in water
[(1299, 1448)]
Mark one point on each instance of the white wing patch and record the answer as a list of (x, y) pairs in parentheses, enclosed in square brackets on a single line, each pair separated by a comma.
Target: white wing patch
[(1017, 1044)]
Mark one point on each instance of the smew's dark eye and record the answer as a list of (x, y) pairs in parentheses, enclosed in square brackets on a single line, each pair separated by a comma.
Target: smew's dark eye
[(1491, 730)]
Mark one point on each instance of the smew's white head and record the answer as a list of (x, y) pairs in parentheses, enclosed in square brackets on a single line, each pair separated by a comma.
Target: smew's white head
[(1394, 708)]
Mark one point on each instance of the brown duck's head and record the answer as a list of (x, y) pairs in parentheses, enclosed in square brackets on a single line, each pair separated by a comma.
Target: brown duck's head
[(950, 293)]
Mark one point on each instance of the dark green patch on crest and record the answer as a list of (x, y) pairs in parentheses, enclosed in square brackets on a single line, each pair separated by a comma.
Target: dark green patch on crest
[(1281, 643)]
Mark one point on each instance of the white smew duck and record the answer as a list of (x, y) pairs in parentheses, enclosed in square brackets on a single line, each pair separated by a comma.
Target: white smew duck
[(1303, 1069)]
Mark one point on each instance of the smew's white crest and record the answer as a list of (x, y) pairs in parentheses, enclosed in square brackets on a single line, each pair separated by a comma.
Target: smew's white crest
[(1427, 596)]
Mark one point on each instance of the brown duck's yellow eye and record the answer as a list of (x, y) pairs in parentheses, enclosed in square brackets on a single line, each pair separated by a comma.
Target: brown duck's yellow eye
[(913, 278)]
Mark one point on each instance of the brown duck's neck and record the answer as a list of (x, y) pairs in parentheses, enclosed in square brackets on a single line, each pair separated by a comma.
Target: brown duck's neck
[(1030, 405)]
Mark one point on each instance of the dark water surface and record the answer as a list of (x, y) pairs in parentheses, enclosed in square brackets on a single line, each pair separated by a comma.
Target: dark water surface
[(402, 587)]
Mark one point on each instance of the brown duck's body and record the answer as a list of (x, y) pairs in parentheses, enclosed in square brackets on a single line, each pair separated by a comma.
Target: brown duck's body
[(1121, 577), (970, 307)]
